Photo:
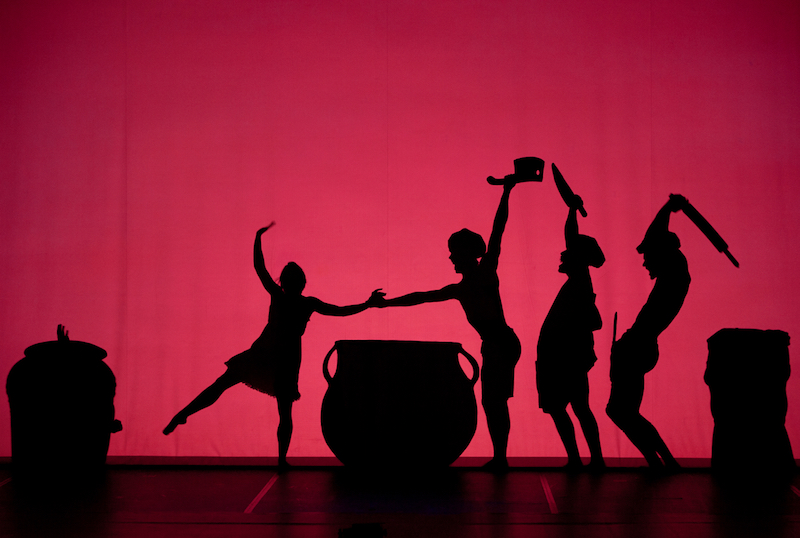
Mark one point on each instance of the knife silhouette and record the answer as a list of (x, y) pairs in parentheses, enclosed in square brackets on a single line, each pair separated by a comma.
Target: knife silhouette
[(563, 189)]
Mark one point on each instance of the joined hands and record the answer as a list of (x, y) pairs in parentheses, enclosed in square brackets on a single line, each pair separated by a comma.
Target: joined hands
[(377, 299)]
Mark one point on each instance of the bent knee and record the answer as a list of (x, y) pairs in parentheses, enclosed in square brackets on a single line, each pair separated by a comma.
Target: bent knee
[(583, 413), (619, 415)]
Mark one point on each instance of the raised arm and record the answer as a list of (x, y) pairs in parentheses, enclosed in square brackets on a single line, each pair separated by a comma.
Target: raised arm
[(260, 266), (571, 226), (492, 255), (660, 222)]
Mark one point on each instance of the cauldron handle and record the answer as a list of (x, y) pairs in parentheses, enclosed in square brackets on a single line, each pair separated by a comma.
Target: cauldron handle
[(325, 373), (476, 371)]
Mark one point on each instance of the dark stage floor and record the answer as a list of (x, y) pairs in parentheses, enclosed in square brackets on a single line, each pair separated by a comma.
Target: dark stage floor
[(318, 501)]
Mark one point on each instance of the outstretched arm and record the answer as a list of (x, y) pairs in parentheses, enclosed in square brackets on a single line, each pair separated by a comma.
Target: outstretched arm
[(327, 309), (260, 266), (419, 297), (492, 255)]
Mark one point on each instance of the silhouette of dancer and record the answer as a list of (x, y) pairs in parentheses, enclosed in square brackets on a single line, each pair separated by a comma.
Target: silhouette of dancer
[(272, 363), (565, 352), (636, 352), (479, 295)]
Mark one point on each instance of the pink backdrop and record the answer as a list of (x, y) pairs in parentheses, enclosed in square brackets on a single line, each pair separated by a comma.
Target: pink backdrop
[(142, 144)]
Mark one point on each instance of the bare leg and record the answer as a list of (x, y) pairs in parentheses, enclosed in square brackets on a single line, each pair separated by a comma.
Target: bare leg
[(623, 409), (590, 431), (203, 400), (285, 428), (499, 423), (567, 433), (661, 447)]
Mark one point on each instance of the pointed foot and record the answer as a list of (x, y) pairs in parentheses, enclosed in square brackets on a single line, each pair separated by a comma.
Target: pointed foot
[(174, 423)]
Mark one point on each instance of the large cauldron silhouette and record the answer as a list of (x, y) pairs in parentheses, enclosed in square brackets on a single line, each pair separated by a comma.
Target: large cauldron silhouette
[(398, 403)]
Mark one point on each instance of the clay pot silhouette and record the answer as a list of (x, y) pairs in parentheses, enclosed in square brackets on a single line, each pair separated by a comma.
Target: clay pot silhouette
[(398, 403)]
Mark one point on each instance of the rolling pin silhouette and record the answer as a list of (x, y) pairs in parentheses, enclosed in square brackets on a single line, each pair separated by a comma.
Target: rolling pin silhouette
[(708, 230)]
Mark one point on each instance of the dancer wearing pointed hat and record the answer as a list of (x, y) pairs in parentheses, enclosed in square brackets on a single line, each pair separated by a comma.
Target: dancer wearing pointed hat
[(565, 352)]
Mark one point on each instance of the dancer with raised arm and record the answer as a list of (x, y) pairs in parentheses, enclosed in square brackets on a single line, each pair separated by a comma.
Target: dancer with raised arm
[(565, 352), (479, 295), (636, 352), (272, 363)]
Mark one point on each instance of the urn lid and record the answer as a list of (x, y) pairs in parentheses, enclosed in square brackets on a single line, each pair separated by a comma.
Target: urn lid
[(64, 348), (70, 348)]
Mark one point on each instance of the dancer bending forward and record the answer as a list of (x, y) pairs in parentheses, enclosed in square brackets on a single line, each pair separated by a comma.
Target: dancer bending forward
[(636, 353)]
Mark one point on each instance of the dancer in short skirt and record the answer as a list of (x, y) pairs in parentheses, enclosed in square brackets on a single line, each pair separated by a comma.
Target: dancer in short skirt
[(272, 364)]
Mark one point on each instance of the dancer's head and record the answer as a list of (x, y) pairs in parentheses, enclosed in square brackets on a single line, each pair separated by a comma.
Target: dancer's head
[(293, 279), (582, 252), (659, 251), (465, 248)]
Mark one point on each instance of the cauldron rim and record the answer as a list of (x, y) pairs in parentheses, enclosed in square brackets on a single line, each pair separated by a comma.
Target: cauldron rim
[(456, 344)]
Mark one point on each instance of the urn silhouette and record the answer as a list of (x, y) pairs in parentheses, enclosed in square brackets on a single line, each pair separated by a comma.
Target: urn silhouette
[(398, 403), (61, 396), (746, 373)]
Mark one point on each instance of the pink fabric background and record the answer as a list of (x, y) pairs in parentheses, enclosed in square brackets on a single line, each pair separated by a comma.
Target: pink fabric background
[(142, 143)]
